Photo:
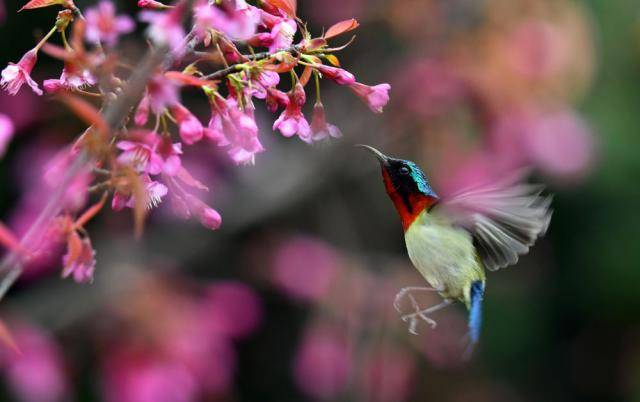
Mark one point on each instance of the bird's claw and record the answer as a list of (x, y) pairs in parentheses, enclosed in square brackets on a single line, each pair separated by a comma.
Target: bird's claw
[(413, 318), (397, 302), (418, 314)]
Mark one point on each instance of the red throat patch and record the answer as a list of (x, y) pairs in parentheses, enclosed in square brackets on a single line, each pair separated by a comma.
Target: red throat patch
[(409, 206)]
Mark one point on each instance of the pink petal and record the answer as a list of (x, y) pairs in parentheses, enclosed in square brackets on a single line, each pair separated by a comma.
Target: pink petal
[(124, 24), (172, 165), (6, 133), (33, 85), (287, 126)]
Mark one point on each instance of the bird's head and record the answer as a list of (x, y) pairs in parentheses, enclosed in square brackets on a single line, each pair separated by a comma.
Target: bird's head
[(406, 185)]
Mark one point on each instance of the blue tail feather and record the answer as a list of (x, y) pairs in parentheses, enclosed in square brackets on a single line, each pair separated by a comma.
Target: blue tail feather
[(475, 310)]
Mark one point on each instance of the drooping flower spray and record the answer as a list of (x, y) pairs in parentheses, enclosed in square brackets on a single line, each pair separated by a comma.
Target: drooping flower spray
[(129, 157)]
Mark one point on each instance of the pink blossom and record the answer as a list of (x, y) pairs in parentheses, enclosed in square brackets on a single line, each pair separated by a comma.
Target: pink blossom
[(214, 130), (561, 145), (154, 193), (268, 79), (152, 4), (166, 27), (376, 97), (52, 86), (340, 76), (104, 26), (191, 130), (235, 19), (185, 204), (54, 170), (323, 363), (161, 93), (6, 133), (262, 82), (305, 268), (262, 39), (208, 355), (140, 156), (282, 35), (81, 263), (270, 15), (138, 377), (36, 374), (208, 217), (230, 126), (169, 153), (142, 111), (292, 121), (151, 154), (241, 133), (15, 75), (72, 77), (234, 307), (276, 98), (319, 127), (76, 77), (179, 206)]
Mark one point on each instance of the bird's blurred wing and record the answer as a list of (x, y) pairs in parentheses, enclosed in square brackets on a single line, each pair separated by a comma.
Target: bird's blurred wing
[(504, 218)]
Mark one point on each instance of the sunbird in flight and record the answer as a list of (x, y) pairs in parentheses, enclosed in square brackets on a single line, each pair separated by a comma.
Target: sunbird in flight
[(452, 240)]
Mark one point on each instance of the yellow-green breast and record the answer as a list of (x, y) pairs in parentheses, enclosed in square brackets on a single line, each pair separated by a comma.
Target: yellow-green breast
[(444, 255)]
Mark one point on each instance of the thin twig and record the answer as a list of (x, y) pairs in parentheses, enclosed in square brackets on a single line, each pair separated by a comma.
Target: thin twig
[(264, 55), (253, 57), (224, 72)]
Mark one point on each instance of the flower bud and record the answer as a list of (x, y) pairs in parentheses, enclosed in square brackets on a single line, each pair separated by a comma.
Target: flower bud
[(63, 19)]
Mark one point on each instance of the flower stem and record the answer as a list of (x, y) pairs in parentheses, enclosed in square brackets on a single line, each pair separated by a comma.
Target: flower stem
[(64, 40), (316, 76), (45, 39), (224, 59)]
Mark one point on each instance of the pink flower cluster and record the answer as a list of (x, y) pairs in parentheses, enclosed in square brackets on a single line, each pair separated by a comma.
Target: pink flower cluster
[(140, 165), (328, 363), (35, 371), (190, 355), (505, 79)]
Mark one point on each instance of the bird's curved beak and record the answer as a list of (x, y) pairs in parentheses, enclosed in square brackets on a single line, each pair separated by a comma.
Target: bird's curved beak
[(384, 160)]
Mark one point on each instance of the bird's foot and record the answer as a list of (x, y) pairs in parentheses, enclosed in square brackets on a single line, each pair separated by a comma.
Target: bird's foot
[(397, 303), (414, 318)]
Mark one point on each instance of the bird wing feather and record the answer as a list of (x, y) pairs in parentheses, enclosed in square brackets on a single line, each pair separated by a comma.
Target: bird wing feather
[(504, 218)]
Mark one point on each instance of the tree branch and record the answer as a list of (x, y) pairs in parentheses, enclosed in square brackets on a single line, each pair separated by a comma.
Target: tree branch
[(253, 57)]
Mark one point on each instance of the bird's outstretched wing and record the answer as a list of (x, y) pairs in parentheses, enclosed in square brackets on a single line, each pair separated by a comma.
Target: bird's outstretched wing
[(504, 218)]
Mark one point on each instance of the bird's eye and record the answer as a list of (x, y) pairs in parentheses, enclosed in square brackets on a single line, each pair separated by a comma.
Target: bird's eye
[(404, 170)]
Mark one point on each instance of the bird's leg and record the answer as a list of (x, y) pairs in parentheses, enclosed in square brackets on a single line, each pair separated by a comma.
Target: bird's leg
[(404, 291), (422, 314)]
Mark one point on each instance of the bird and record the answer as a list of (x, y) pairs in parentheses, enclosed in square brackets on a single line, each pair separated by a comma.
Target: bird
[(452, 241)]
